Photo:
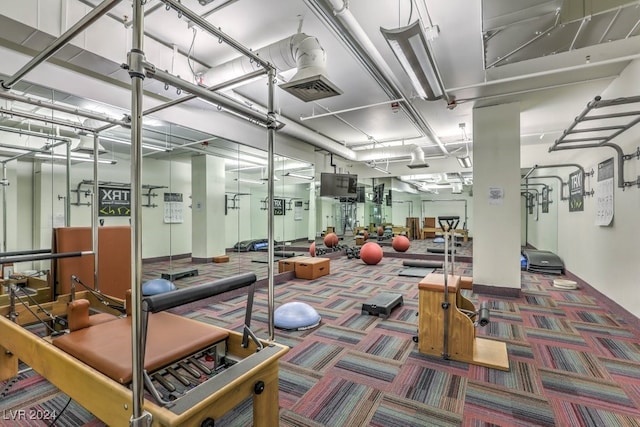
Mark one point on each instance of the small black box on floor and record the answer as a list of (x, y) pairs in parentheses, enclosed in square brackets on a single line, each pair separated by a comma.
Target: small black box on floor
[(382, 304), (175, 275)]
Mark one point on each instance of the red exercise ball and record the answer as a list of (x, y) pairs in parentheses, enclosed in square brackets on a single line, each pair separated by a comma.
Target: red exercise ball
[(331, 240), (380, 231), (365, 234), (312, 249), (371, 253), (400, 243)]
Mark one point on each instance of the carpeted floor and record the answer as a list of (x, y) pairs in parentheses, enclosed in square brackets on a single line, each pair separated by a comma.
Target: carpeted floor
[(575, 359)]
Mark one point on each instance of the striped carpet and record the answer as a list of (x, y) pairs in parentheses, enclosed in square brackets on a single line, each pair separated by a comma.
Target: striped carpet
[(574, 360)]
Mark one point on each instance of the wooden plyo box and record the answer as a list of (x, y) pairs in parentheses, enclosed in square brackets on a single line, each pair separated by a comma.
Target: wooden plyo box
[(312, 268), (221, 258), (288, 264)]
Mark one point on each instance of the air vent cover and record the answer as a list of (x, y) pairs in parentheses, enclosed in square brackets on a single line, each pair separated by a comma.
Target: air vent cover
[(311, 88), (418, 166)]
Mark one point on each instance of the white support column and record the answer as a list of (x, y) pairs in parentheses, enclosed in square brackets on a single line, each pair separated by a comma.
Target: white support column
[(208, 219), (496, 198)]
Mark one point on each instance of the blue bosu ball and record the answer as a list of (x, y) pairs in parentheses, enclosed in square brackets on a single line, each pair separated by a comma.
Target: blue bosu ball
[(157, 286), (296, 316)]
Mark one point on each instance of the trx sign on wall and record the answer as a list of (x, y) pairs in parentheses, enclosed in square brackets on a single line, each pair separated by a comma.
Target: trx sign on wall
[(576, 192), (114, 201)]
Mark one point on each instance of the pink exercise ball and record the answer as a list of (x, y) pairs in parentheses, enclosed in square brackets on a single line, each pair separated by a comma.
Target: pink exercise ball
[(312, 249), (400, 243), (331, 240), (371, 253)]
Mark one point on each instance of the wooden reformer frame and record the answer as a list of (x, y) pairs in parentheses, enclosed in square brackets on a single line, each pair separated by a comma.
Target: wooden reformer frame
[(256, 375)]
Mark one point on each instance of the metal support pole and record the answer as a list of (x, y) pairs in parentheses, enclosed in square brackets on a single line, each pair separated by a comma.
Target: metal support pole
[(5, 182), (271, 131), (94, 212), (67, 198), (61, 41), (137, 74)]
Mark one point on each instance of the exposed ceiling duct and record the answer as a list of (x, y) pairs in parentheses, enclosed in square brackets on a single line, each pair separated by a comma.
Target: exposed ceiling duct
[(299, 50), (86, 144)]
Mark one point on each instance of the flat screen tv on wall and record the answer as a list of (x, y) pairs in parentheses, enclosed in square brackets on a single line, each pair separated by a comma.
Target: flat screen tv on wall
[(338, 185)]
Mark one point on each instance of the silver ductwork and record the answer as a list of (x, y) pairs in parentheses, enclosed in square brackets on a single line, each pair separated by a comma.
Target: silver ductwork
[(412, 150), (86, 144), (299, 50)]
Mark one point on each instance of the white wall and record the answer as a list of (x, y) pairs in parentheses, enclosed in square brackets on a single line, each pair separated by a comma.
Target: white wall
[(605, 257), (542, 228)]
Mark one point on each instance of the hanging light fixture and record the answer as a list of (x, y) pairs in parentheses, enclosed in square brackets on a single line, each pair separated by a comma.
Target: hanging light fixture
[(411, 48)]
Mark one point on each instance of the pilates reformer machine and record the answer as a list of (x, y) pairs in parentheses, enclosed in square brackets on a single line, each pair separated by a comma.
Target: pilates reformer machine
[(447, 320), (193, 372)]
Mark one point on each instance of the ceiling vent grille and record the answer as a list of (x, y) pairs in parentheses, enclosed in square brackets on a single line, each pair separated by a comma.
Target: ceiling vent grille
[(311, 88)]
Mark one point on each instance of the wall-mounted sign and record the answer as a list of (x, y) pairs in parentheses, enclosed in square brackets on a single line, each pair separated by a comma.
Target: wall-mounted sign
[(576, 192), (545, 199), (604, 193), (279, 207), (173, 208), (297, 210), (114, 201)]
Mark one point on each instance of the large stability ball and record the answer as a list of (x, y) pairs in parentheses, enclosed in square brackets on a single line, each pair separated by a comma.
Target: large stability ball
[(365, 234), (400, 243), (312, 249), (157, 286), (331, 240), (380, 231), (371, 253)]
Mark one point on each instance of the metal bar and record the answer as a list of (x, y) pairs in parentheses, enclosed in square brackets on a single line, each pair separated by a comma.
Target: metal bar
[(562, 183), (40, 257), (522, 46), (598, 129), (590, 106), (67, 197), (62, 108), (346, 110), (611, 116), (32, 133), (575, 37), (61, 41), (45, 119), (27, 252), (94, 212), (207, 26), (569, 141), (613, 20), (211, 88), (600, 103), (5, 182), (35, 150), (201, 92), (271, 129), (137, 74)]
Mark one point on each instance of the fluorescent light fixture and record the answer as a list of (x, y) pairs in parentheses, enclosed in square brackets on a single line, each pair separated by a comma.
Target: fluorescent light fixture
[(464, 162), (297, 175), (411, 48), (73, 158), (122, 141), (249, 181), (379, 169)]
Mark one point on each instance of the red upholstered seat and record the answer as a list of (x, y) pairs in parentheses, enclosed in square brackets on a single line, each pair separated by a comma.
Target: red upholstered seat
[(106, 347)]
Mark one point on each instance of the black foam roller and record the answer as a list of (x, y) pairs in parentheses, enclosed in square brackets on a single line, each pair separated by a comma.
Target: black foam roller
[(421, 263)]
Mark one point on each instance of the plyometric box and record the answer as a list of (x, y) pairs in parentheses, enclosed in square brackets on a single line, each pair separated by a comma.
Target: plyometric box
[(289, 264), (382, 304), (312, 268)]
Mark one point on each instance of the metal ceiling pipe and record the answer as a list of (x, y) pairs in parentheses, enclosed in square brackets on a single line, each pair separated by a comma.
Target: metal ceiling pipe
[(63, 109), (44, 119), (60, 42), (34, 134), (384, 76)]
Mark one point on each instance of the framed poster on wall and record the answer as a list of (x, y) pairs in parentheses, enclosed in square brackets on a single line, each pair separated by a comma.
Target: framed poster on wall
[(114, 201), (279, 207), (576, 192)]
